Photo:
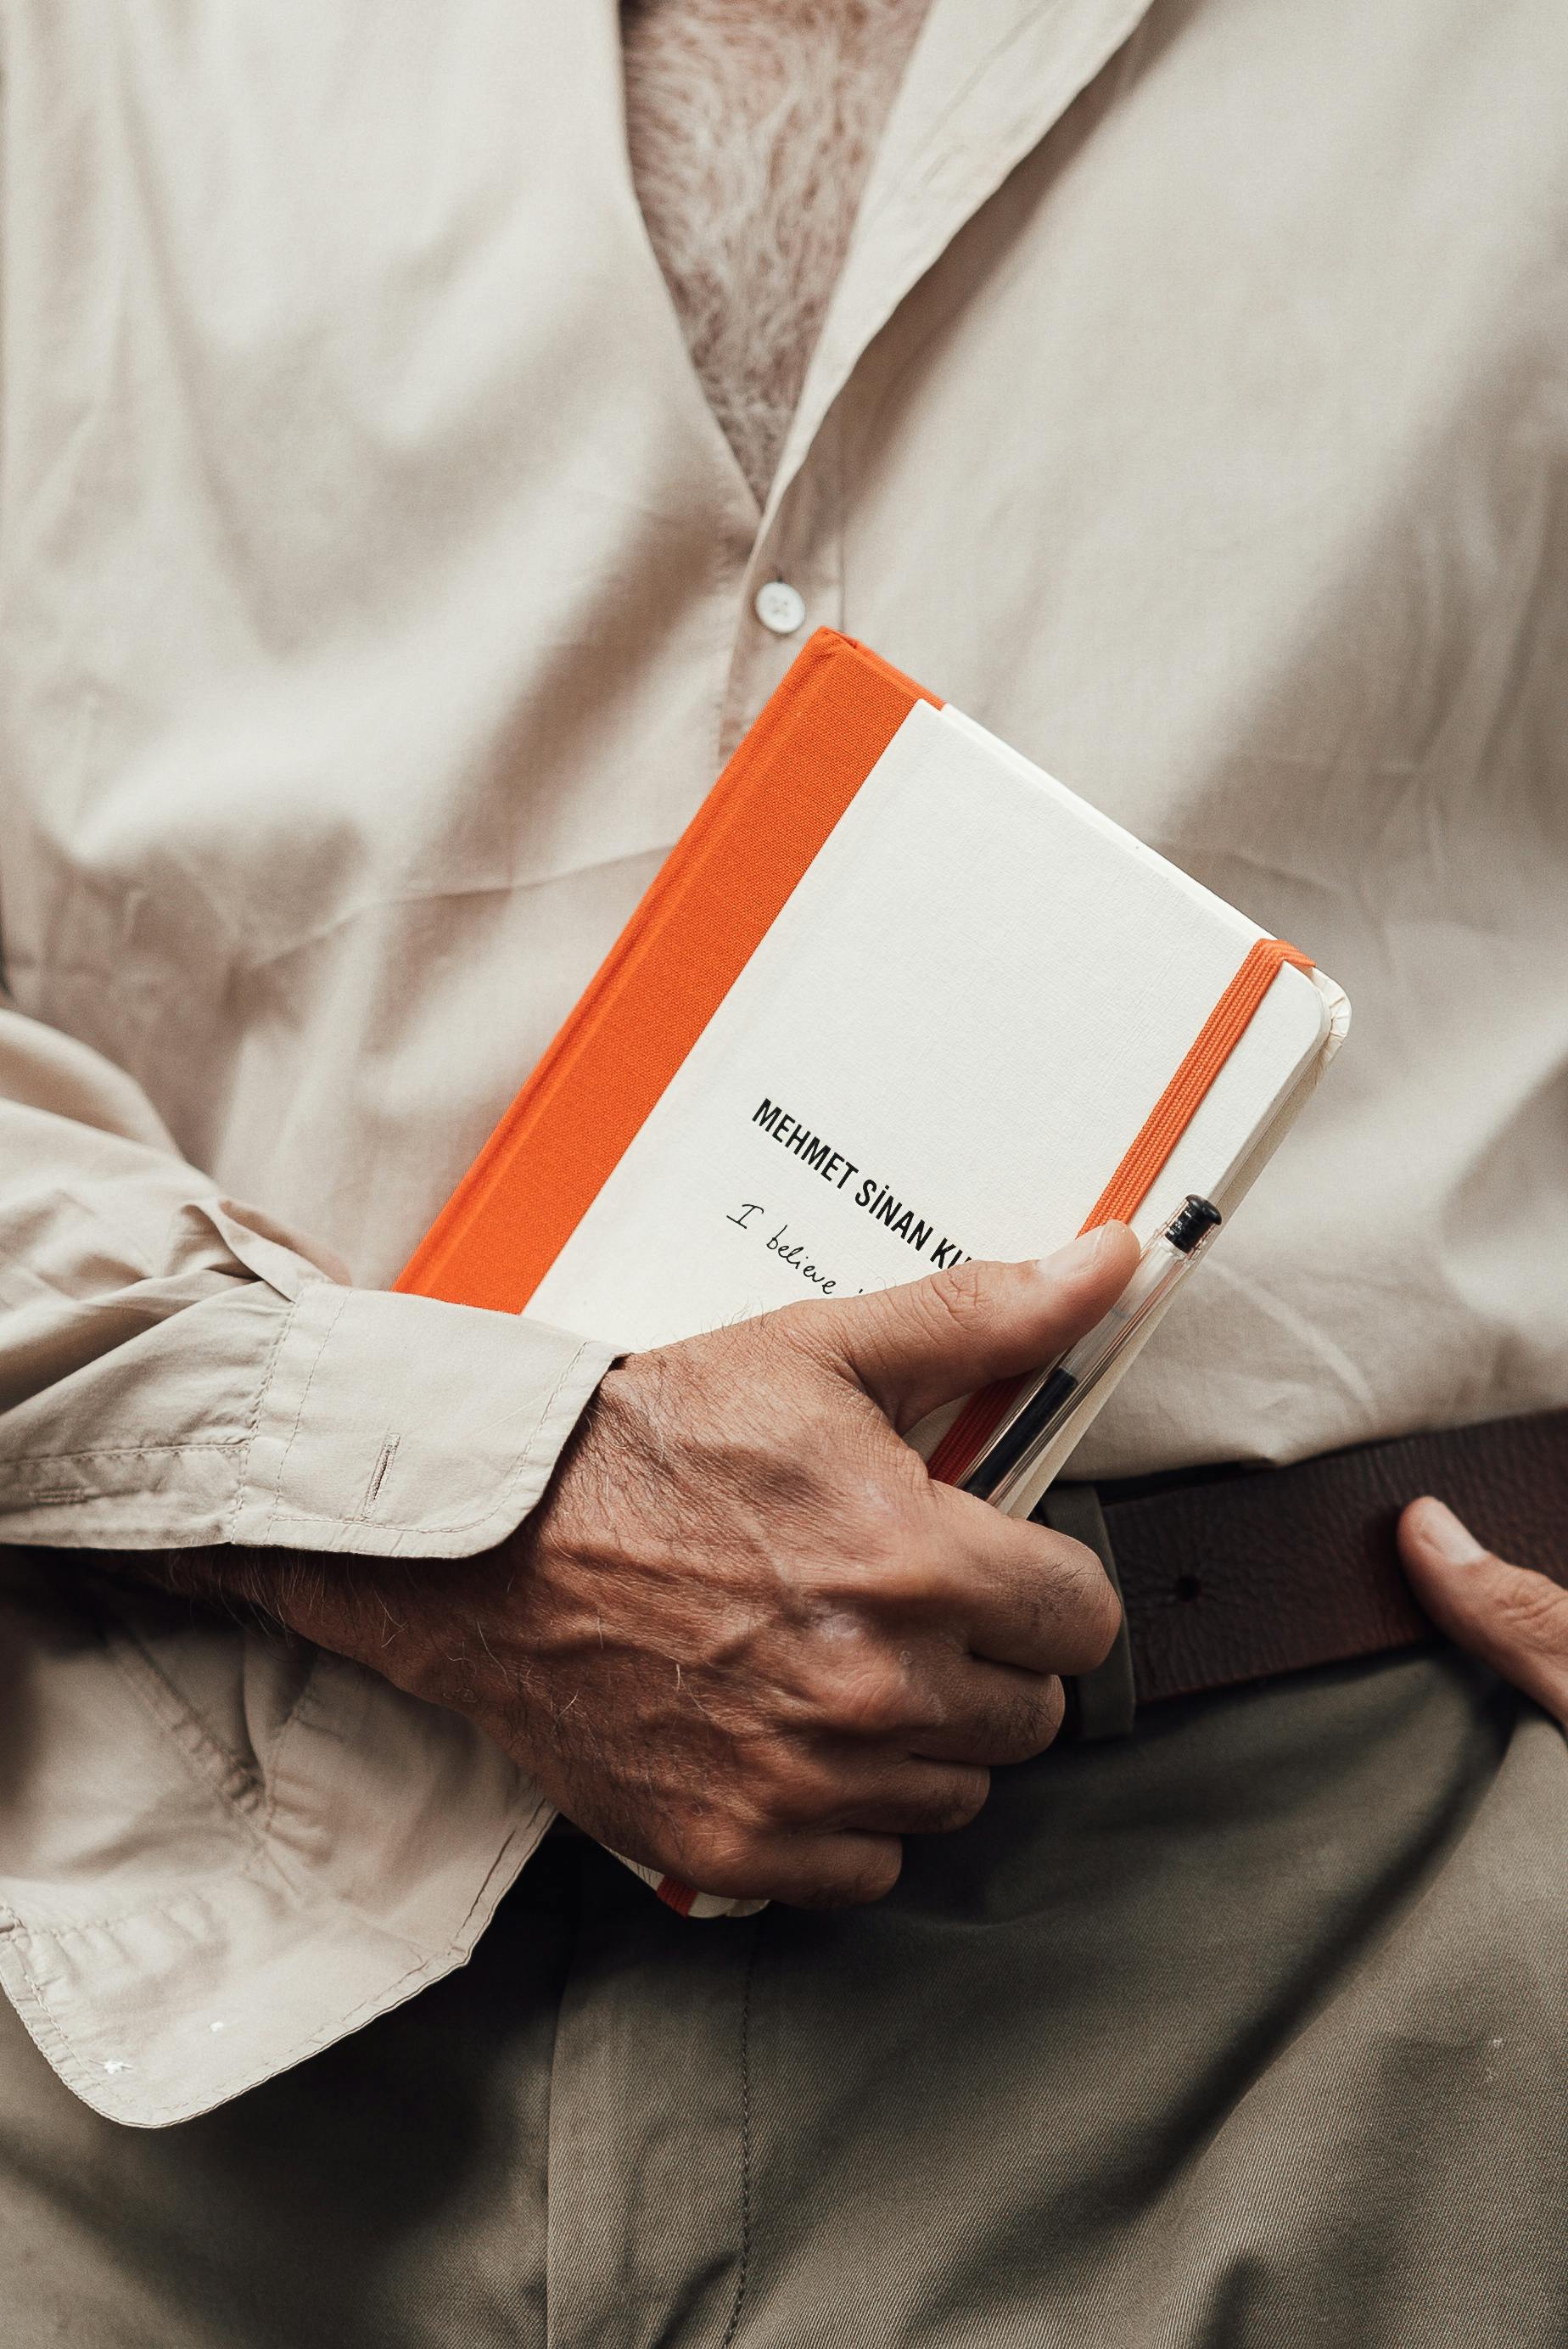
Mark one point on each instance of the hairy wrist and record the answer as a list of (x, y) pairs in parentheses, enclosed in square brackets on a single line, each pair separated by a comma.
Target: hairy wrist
[(290, 1589)]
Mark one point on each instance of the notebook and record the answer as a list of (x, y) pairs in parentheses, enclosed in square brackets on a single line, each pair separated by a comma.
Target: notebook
[(896, 999)]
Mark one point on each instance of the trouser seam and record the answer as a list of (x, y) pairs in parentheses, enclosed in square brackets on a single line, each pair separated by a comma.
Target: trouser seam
[(562, 1992), (732, 2328)]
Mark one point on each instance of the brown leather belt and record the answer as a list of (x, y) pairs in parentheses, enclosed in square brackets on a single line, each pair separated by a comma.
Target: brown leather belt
[(1238, 1574)]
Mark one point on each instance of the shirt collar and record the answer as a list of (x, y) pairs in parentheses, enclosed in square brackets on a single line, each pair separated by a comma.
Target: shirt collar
[(987, 79)]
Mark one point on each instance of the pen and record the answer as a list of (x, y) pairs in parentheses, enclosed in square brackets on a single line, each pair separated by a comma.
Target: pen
[(1017, 1444)]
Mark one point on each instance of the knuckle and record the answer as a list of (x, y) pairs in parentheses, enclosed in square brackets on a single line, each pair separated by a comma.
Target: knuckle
[(1102, 1618), (1052, 1713), (1036, 1721), (719, 1855), (1018, 1729), (872, 1877), (956, 1295), (797, 1796), (963, 1803), (1084, 1603), (1073, 1565), (854, 1874), (875, 1538), (1529, 1608), (898, 1584), (868, 1696)]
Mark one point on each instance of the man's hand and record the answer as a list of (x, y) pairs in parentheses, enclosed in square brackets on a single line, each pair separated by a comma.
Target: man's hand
[(744, 1638), (1513, 1618)]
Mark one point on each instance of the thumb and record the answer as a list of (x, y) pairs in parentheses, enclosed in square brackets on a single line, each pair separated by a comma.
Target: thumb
[(929, 1341), (1513, 1618)]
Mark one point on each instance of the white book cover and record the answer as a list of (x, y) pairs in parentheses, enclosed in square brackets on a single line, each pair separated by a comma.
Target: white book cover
[(943, 1045)]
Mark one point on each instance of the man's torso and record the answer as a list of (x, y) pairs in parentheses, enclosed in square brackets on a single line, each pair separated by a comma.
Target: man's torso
[(379, 595)]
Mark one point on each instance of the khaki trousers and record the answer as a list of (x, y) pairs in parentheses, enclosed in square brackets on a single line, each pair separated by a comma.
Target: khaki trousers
[(1250, 2030)]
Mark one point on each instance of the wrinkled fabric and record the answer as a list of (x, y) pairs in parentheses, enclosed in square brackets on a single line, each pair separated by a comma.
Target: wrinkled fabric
[(1243, 2033), (377, 606)]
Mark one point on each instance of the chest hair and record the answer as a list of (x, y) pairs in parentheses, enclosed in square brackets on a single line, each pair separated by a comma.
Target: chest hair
[(752, 124)]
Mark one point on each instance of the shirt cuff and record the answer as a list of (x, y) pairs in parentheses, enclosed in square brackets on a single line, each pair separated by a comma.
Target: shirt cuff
[(402, 1426), (220, 1852)]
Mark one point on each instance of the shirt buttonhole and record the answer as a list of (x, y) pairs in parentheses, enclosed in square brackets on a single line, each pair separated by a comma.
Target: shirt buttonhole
[(378, 1474)]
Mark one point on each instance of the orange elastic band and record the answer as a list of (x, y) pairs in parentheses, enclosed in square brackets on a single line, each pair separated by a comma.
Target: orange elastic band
[(1130, 1186)]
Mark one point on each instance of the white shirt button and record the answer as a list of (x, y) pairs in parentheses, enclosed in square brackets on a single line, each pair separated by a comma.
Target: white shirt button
[(780, 607)]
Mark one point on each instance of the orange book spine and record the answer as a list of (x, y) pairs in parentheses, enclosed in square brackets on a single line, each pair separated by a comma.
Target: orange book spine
[(721, 887)]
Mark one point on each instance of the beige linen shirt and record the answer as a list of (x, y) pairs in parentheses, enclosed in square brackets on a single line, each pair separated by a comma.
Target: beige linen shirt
[(377, 606)]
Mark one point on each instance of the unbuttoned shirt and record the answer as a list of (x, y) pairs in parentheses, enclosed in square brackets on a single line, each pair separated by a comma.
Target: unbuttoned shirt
[(379, 602)]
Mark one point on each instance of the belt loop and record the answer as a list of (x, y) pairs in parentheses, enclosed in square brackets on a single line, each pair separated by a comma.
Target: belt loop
[(1104, 1701)]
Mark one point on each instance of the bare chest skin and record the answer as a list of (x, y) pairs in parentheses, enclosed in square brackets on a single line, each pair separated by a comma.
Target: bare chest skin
[(752, 124)]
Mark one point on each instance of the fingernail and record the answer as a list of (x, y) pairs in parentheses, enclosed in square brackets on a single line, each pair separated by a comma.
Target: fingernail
[(1080, 1255), (1443, 1531)]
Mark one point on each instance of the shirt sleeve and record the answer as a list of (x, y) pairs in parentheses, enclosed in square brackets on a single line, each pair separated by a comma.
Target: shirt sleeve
[(176, 1369), (218, 1850)]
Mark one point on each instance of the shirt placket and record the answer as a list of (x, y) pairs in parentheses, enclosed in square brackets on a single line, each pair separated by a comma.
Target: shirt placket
[(792, 585), (987, 81)]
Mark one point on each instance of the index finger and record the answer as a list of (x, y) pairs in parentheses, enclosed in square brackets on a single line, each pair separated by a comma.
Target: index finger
[(1018, 1593)]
